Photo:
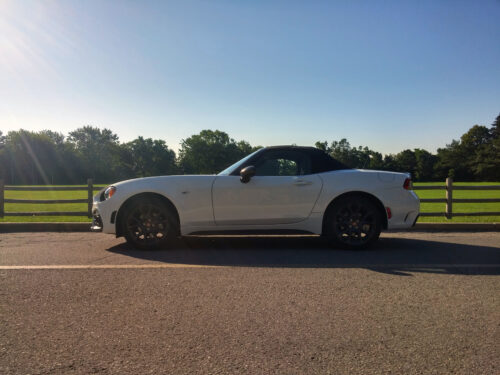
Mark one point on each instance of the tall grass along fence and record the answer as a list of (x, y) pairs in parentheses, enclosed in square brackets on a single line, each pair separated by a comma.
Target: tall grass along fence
[(448, 200), (90, 193)]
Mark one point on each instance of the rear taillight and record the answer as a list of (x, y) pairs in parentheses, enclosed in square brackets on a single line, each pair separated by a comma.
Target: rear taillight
[(407, 184)]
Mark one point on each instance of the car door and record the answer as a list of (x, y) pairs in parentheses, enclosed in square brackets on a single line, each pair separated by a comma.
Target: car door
[(283, 191)]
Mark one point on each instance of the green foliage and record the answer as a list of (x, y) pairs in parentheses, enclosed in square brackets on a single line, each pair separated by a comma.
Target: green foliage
[(210, 152), (406, 161), (476, 156), (48, 157), (354, 157), (148, 157), (424, 168), (3, 157), (29, 156), (97, 149)]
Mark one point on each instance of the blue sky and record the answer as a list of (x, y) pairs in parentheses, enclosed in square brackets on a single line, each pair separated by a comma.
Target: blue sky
[(386, 74)]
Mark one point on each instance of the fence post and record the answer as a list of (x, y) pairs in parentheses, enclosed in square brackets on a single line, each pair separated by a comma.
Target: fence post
[(449, 198), (90, 191), (2, 207)]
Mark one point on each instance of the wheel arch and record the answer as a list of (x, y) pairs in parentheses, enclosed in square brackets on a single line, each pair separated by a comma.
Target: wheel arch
[(371, 197), (123, 208)]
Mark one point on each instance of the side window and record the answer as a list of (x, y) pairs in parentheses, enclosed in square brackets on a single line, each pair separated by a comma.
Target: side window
[(283, 163)]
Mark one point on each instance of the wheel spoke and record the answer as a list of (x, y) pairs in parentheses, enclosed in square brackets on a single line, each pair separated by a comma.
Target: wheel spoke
[(147, 224), (354, 223)]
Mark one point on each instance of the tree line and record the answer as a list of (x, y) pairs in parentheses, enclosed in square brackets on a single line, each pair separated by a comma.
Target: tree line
[(48, 157), (474, 157)]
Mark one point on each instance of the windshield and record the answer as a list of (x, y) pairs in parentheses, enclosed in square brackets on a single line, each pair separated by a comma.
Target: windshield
[(232, 167)]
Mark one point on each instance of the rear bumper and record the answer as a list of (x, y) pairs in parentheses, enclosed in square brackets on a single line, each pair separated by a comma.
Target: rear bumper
[(405, 210)]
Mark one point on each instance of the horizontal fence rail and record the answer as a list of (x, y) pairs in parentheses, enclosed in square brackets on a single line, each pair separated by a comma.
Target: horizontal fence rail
[(472, 200), (46, 188), (431, 187), (48, 213), (90, 194), (49, 201), (449, 200)]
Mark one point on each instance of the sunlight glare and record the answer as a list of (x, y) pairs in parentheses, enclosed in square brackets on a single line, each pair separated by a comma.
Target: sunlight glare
[(32, 37)]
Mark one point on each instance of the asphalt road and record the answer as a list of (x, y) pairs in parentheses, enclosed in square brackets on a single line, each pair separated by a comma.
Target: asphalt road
[(417, 303)]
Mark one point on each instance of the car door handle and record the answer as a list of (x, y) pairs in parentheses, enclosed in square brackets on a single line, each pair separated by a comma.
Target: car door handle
[(302, 182)]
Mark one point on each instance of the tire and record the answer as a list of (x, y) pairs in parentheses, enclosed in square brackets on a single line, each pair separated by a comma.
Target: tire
[(353, 223), (149, 224)]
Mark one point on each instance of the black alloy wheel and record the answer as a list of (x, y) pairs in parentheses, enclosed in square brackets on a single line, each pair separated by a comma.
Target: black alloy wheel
[(353, 223), (149, 224)]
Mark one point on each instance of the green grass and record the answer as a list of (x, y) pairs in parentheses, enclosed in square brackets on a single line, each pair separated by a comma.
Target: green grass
[(425, 207), (29, 207), (460, 207)]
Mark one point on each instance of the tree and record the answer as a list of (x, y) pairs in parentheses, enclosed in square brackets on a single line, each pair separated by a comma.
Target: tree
[(478, 150), (495, 128), (245, 148), (390, 163), (50, 157), (57, 138), (473, 157), (376, 161), (30, 157), (475, 137), (3, 158), (150, 157), (322, 146), (210, 152), (354, 157), (494, 151), (483, 146), (406, 161), (424, 168), (98, 150), (342, 151), (451, 158)]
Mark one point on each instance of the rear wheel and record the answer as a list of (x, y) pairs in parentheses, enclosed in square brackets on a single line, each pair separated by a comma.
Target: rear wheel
[(149, 224), (353, 223)]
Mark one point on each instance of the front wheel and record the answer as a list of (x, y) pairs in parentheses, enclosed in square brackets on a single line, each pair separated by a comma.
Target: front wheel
[(149, 224), (353, 223)]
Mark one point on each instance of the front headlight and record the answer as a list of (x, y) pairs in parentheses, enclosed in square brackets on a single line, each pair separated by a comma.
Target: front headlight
[(109, 192)]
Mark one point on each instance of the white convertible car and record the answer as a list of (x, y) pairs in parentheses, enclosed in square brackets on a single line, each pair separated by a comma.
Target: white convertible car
[(282, 188)]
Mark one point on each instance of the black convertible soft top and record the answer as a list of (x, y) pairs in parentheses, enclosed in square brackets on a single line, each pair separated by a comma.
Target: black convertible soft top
[(320, 160)]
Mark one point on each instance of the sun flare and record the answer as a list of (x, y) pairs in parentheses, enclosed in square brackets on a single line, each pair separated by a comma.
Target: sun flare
[(31, 37)]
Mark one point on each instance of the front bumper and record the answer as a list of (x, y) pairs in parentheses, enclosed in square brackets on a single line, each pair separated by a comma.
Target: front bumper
[(415, 221), (96, 225)]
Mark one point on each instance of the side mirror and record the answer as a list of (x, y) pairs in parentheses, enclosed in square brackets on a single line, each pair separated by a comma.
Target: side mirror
[(247, 173)]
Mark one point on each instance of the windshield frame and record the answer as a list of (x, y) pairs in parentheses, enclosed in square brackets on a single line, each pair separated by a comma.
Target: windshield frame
[(229, 170)]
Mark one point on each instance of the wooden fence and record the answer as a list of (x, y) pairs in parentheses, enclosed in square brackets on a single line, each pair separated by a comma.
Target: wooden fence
[(449, 187), (90, 193), (448, 213)]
